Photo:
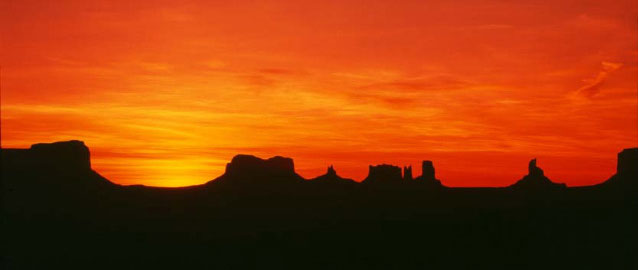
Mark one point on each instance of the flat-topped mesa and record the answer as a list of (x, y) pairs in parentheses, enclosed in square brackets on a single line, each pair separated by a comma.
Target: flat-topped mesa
[(407, 173), (626, 177), (627, 162), (536, 179), (383, 173), (251, 166), (67, 156), (61, 165)]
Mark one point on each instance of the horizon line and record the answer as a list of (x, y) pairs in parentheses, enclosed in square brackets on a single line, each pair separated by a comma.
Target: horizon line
[(401, 168)]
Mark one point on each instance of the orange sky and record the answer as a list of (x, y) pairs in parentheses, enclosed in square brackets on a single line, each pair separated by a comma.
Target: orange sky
[(165, 93)]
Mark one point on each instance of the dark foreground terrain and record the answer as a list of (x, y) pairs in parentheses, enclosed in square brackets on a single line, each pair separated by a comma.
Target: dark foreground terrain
[(57, 213)]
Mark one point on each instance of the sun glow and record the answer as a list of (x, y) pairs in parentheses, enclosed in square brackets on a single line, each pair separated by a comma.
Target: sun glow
[(166, 94)]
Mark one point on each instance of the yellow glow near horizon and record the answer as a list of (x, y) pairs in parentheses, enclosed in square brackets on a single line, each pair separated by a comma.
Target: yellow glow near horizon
[(166, 93)]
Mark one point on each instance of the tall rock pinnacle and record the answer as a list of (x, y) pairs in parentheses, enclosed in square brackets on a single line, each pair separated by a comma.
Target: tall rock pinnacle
[(407, 173), (427, 169), (536, 179)]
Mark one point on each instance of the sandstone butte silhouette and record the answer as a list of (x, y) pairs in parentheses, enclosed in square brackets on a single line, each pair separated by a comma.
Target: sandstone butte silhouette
[(59, 213)]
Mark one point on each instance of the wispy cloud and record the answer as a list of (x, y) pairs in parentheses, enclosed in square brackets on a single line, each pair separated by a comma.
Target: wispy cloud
[(165, 93), (593, 85)]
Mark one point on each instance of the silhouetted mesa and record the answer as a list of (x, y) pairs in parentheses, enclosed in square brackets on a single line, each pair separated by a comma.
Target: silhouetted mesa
[(274, 166), (626, 176), (252, 170), (536, 179), (628, 162), (383, 173), (260, 213), (59, 156), (64, 164)]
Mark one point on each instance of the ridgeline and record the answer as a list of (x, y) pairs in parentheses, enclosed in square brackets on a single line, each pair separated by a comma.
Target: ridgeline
[(59, 213)]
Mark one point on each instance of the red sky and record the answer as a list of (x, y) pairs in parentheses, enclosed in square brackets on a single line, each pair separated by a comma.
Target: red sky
[(166, 93)]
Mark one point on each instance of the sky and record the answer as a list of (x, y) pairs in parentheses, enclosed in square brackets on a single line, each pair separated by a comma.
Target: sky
[(165, 93)]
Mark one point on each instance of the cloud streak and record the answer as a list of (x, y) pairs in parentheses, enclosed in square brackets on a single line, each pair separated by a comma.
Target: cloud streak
[(593, 85), (153, 87)]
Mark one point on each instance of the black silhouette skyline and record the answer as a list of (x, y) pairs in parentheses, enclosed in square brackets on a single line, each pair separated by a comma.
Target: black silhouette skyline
[(260, 213)]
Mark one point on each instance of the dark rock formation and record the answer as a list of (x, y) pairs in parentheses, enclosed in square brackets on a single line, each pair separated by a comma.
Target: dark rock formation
[(383, 173), (533, 170), (628, 162), (407, 173), (61, 166), (331, 178), (67, 157), (54, 218), (536, 179), (626, 176), (242, 165), (427, 169), (331, 171), (427, 175), (253, 170)]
